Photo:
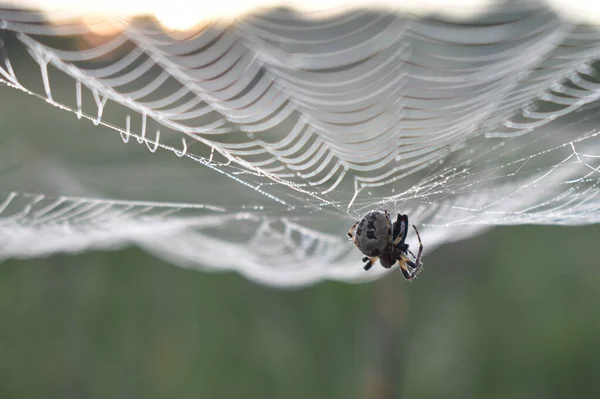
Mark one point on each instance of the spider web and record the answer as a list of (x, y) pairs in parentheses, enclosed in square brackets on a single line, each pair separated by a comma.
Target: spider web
[(254, 145)]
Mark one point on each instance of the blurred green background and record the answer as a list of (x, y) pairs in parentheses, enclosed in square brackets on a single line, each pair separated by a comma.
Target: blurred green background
[(512, 313)]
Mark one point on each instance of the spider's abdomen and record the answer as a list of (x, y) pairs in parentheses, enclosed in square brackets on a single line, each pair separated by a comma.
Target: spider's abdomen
[(373, 233)]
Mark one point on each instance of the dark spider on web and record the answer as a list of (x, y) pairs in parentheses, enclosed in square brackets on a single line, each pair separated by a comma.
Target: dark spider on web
[(378, 238)]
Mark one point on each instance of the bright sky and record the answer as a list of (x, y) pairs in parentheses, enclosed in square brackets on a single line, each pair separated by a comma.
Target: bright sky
[(181, 14)]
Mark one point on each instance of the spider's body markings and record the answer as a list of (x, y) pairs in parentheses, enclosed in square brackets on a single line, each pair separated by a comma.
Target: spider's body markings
[(378, 238)]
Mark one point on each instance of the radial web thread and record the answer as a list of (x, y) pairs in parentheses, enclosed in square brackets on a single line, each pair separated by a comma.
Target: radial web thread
[(269, 136)]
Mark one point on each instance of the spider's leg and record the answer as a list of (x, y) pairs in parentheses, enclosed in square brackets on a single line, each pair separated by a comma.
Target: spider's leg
[(416, 265), (408, 268), (408, 275), (418, 262), (400, 229), (396, 228), (402, 247), (370, 262), (351, 231)]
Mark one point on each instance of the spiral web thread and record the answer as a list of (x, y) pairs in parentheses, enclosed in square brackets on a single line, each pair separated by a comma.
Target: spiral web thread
[(284, 129)]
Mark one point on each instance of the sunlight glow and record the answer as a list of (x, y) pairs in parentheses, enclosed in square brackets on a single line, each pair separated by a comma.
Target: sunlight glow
[(183, 14)]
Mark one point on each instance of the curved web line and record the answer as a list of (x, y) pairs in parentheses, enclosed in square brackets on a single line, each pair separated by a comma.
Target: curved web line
[(325, 120)]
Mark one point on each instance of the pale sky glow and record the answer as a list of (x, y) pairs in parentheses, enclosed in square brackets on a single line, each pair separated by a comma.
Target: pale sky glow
[(182, 14)]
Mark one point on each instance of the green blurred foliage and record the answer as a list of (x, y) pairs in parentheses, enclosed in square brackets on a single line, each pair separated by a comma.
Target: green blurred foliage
[(509, 314)]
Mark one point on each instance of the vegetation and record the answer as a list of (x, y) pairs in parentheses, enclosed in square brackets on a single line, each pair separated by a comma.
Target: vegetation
[(510, 314)]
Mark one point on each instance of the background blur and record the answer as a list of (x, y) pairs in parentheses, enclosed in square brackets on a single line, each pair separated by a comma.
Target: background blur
[(512, 313)]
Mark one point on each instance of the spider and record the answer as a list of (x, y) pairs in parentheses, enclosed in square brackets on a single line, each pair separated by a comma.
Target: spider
[(378, 238)]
